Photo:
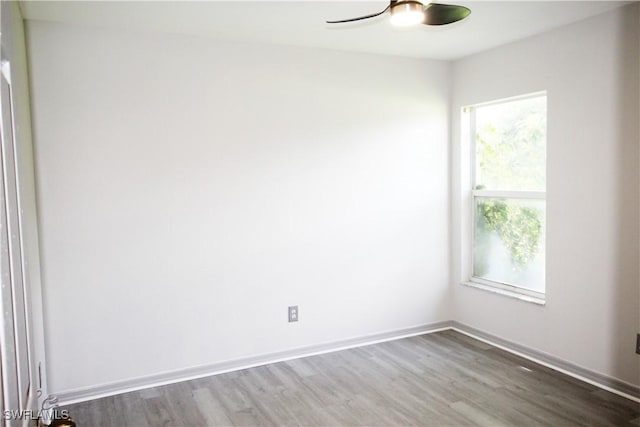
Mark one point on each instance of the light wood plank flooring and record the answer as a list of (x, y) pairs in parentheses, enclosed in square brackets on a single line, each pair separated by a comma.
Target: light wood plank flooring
[(439, 379)]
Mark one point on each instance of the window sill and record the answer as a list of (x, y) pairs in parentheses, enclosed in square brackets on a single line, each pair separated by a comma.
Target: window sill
[(506, 293)]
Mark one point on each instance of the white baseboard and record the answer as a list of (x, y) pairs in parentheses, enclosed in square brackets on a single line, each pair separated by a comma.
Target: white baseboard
[(119, 387), (614, 385)]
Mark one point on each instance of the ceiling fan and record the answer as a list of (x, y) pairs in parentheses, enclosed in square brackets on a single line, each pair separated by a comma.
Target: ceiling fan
[(411, 12)]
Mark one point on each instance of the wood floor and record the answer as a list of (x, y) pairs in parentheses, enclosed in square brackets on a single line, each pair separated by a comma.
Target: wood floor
[(440, 379)]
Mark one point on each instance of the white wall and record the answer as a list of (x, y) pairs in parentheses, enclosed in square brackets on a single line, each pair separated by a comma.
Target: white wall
[(14, 51), (191, 190), (590, 70)]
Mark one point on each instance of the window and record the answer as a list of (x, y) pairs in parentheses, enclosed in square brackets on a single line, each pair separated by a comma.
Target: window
[(508, 193)]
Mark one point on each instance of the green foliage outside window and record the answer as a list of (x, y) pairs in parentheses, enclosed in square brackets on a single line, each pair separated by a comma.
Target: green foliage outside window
[(519, 227), (511, 155)]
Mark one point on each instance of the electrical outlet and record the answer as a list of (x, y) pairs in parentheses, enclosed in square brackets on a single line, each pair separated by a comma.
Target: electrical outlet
[(293, 313), (638, 344)]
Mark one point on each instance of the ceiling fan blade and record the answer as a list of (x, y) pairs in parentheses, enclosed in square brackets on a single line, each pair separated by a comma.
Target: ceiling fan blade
[(360, 18), (442, 14)]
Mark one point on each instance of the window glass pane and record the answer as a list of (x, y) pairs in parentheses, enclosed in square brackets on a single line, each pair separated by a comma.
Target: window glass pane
[(509, 241), (510, 145)]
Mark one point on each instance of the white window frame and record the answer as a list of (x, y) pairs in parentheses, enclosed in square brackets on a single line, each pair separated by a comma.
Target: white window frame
[(500, 287)]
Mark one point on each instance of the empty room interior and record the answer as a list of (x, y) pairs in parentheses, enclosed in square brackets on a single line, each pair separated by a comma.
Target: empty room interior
[(320, 213)]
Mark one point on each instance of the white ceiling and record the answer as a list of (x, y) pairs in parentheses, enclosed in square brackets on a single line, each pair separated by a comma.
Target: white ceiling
[(301, 23)]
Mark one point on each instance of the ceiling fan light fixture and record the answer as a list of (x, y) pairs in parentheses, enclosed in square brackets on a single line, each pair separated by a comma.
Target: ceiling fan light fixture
[(407, 13), (412, 12)]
